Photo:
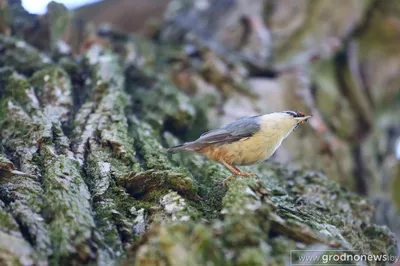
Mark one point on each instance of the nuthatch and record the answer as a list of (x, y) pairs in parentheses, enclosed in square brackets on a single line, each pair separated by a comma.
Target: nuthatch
[(245, 141)]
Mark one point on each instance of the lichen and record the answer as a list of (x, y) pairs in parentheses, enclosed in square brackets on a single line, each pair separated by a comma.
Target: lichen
[(86, 178), (66, 203), (15, 251), (22, 56), (8, 224), (254, 211)]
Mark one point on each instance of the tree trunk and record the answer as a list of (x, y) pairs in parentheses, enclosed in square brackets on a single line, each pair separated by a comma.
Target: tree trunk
[(85, 178)]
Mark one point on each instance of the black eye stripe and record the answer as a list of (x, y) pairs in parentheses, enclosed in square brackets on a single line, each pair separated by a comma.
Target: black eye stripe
[(294, 113)]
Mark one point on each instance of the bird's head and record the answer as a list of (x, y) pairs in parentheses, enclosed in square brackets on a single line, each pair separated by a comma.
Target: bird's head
[(297, 118), (285, 121)]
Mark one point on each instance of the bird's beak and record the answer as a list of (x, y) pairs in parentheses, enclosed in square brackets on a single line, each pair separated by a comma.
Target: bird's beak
[(302, 119)]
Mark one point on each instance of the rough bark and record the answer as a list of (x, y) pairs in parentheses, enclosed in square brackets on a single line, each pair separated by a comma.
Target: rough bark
[(85, 178)]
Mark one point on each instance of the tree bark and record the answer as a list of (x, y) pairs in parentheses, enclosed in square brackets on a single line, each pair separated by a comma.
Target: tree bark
[(85, 178)]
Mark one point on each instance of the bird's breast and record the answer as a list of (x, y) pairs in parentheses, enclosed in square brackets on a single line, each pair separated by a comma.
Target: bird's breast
[(243, 152)]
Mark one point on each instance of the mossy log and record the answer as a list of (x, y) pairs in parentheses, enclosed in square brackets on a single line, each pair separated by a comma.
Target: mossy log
[(85, 178)]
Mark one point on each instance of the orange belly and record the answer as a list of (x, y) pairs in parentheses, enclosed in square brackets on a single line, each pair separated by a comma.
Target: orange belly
[(244, 152)]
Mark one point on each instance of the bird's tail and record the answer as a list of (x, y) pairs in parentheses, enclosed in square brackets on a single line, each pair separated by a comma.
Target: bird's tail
[(183, 147), (176, 148)]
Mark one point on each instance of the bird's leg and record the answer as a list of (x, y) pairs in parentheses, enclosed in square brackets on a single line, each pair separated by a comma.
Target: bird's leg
[(234, 170), (244, 174)]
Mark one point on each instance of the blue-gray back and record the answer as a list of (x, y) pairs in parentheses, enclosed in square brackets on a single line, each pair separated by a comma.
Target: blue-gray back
[(239, 129)]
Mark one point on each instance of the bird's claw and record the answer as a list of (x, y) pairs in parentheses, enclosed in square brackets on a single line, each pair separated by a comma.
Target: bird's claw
[(233, 176)]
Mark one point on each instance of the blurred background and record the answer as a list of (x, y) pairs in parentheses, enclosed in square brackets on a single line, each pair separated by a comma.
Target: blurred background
[(40, 6), (337, 60)]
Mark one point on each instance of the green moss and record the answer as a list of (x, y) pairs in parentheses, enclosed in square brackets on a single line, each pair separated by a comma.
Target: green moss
[(250, 257), (111, 203), (106, 150), (155, 195), (124, 192), (163, 106), (7, 223), (22, 193), (378, 236), (280, 250), (21, 56), (207, 176), (53, 87), (294, 207), (67, 207), (14, 88), (15, 251), (114, 218), (148, 146), (195, 243)]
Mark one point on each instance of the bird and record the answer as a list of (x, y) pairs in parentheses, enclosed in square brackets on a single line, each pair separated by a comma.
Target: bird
[(246, 141)]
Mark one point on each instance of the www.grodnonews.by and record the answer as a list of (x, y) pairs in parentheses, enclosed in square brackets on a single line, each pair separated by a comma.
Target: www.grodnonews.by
[(339, 257)]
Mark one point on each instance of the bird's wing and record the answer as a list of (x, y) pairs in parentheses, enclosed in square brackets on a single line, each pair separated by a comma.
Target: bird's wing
[(240, 129)]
